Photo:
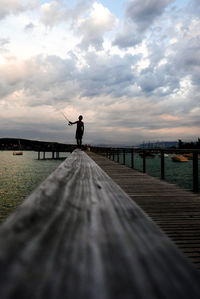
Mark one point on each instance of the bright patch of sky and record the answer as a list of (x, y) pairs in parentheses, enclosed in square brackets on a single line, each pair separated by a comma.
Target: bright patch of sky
[(126, 67)]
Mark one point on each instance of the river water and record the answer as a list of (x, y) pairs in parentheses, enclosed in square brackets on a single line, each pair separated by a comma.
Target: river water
[(20, 175)]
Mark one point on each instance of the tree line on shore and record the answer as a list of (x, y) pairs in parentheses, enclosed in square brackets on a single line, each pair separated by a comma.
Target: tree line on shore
[(189, 145)]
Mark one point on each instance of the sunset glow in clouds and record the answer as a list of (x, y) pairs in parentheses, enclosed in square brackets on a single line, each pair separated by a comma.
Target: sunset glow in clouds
[(131, 68)]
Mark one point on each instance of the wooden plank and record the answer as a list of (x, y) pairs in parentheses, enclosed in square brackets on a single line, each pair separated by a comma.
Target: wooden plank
[(80, 236)]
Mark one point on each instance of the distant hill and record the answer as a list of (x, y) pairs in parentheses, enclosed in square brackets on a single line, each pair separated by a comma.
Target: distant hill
[(160, 144), (26, 144)]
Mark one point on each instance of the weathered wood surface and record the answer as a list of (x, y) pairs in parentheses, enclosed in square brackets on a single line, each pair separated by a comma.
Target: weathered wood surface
[(175, 210), (79, 236)]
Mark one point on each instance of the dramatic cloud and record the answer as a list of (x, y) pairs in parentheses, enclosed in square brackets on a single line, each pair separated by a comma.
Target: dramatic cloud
[(133, 79), (144, 15), (93, 28), (138, 18)]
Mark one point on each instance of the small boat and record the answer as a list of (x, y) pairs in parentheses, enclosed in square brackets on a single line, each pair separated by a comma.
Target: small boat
[(17, 153), (179, 158)]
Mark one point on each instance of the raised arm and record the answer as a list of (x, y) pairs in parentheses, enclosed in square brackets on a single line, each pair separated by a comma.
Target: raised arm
[(72, 123)]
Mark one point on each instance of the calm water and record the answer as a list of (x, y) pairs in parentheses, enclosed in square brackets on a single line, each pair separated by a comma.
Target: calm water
[(175, 172), (20, 175)]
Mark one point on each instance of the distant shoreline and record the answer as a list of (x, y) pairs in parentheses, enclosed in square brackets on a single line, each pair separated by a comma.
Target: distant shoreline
[(32, 145)]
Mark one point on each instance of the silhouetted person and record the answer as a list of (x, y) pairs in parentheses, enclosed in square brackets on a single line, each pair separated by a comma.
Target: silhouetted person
[(79, 130)]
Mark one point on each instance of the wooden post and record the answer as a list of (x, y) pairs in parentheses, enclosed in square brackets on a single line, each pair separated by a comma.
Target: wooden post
[(107, 153), (144, 162), (39, 155), (132, 158), (162, 159), (124, 156), (118, 155), (110, 152), (43, 155), (195, 172), (113, 154), (53, 155)]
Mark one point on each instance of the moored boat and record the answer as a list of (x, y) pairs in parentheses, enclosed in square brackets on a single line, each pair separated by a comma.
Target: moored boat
[(17, 153), (179, 158)]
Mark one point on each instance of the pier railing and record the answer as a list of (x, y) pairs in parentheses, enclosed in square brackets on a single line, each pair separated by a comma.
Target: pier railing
[(116, 153)]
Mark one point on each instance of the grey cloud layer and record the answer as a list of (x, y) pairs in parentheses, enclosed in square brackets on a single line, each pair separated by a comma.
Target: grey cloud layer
[(143, 14), (139, 94), (57, 11), (138, 18), (16, 6)]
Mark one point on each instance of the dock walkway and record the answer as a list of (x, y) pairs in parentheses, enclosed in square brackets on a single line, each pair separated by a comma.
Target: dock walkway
[(176, 211)]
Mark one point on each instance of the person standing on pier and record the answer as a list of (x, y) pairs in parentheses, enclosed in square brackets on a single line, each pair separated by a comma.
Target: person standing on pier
[(79, 130)]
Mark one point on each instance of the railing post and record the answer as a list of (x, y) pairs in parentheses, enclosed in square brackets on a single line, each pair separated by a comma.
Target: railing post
[(117, 155), (43, 155), (162, 158), (144, 162), (113, 154), (132, 158), (124, 156), (110, 152), (39, 155), (195, 172)]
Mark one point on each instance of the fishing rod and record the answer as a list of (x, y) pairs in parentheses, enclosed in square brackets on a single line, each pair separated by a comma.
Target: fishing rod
[(65, 118), (63, 114)]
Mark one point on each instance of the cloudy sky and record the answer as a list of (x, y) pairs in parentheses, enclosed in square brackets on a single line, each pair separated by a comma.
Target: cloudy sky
[(130, 67)]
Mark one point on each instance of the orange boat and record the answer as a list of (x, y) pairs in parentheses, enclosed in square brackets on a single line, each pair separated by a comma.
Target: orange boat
[(179, 158)]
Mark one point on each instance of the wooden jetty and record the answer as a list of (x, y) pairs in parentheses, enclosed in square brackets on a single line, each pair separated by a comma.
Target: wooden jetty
[(55, 151), (80, 236), (175, 210)]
